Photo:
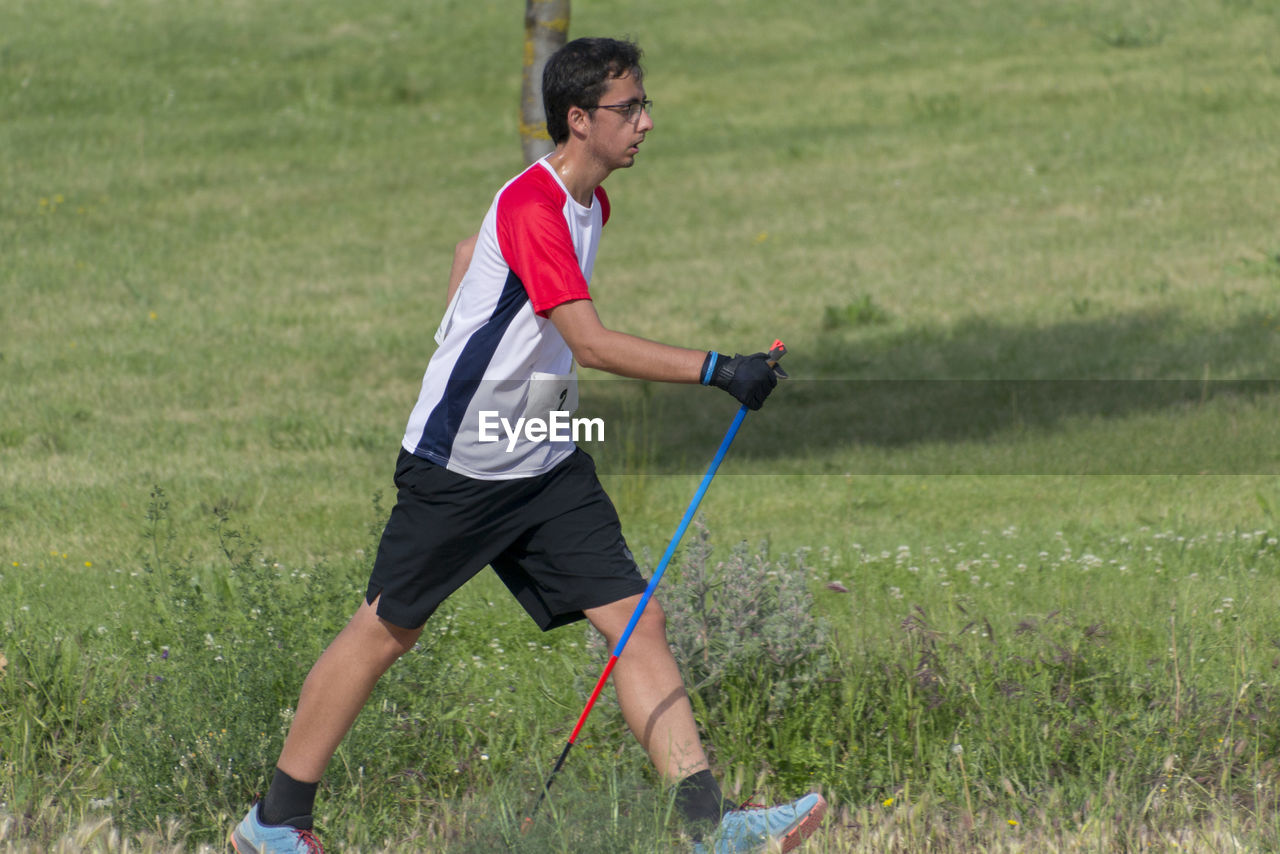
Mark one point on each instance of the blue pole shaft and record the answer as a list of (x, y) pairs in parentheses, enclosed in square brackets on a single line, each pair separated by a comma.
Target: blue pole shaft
[(684, 525)]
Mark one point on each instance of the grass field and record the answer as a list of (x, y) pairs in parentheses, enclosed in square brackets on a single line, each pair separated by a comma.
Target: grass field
[(1026, 260)]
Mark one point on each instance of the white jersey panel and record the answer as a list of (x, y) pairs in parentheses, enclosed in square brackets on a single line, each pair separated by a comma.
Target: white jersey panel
[(498, 356)]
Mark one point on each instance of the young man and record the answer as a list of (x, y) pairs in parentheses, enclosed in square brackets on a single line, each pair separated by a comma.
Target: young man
[(520, 315)]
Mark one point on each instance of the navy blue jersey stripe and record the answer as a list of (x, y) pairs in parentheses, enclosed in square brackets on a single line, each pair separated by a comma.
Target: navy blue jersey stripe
[(446, 418)]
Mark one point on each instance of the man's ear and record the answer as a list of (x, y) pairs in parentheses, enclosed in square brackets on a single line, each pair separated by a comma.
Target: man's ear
[(579, 120)]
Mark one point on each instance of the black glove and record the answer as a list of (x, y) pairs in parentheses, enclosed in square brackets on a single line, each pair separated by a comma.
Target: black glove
[(748, 378)]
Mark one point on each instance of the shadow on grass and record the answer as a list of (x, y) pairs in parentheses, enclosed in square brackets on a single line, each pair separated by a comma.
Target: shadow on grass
[(897, 401)]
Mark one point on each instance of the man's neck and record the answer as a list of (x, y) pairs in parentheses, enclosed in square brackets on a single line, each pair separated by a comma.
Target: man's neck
[(579, 174)]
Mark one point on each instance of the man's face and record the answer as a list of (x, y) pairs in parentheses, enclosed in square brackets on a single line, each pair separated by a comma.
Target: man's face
[(614, 138)]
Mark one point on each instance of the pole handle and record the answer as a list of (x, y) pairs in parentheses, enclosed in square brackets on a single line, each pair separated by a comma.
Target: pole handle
[(776, 352)]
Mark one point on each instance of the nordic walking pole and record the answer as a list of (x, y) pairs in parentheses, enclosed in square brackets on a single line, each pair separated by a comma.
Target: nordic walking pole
[(775, 353)]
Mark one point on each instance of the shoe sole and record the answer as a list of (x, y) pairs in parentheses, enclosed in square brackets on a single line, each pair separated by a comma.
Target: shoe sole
[(237, 839), (793, 837)]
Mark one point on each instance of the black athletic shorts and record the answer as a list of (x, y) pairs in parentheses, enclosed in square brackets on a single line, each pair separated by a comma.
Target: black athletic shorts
[(553, 539)]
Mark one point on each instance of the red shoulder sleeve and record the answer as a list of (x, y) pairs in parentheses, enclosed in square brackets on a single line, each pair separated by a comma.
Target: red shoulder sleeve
[(535, 242)]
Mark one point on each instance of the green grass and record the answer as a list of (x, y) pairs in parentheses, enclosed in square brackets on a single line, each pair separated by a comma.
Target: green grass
[(1024, 256)]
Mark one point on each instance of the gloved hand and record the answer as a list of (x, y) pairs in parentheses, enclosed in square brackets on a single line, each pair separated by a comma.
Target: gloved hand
[(747, 378)]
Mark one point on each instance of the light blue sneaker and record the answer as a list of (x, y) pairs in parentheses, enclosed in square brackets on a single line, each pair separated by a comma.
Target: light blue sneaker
[(254, 837), (751, 830)]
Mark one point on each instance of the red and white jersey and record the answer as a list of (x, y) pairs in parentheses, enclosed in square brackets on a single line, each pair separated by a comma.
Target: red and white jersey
[(498, 351)]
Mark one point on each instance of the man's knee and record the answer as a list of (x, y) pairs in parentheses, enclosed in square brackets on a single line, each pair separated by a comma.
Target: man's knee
[(655, 616), (399, 641), (611, 620), (652, 625), (389, 640)]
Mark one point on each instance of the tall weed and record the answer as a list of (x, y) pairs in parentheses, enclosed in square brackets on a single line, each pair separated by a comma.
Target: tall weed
[(755, 656), (222, 651), (223, 655)]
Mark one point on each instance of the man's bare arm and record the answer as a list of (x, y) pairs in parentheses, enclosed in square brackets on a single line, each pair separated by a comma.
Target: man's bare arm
[(461, 261), (595, 346)]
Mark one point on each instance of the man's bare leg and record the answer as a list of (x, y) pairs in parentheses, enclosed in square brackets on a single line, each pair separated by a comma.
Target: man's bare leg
[(337, 688), (651, 690)]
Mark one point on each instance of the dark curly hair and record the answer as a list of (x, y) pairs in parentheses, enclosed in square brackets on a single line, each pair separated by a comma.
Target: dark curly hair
[(576, 76)]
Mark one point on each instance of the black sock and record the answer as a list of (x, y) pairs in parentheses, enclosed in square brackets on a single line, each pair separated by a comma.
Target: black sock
[(699, 799), (288, 801)]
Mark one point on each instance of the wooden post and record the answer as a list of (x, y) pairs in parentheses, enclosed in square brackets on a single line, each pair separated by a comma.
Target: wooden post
[(546, 28)]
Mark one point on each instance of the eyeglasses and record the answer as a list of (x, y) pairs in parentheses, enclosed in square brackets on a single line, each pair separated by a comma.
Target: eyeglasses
[(630, 110)]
